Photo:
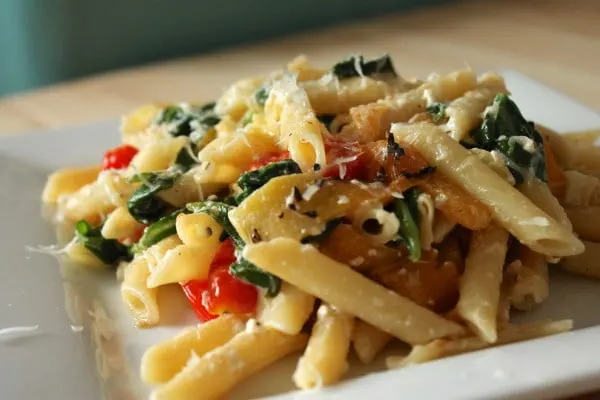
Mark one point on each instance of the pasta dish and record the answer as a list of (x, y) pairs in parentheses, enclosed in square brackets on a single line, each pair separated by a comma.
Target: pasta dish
[(329, 211)]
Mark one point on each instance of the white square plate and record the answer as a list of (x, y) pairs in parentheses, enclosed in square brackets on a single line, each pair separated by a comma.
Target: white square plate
[(85, 346)]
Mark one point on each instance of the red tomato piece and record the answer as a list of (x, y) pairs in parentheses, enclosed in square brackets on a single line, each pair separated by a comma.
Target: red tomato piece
[(225, 255), (269, 158), (353, 168), (119, 157), (228, 294), (195, 291)]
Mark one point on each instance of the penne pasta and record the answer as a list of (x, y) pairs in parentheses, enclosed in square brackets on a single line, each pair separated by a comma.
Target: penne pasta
[(324, 361), (216, 372), (586, 222), (480, 283), (287, 312), (289, 116), (67, 181), (368, 341), (165, 360), (516, 213), (586, 263), (303, 266), (539, 193), (120, 224), (445, 348)]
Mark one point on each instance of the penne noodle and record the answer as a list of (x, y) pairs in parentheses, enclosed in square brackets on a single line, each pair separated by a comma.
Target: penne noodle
[(587, 263), (586, 222), (287, 312), (324, 361), (164, 360), (465, 113), (198, 229), (331, 96), (368, 341), (445, 348), (289, 116), (515, 212), (183, 263), (216, 372), (480, 283), (67, 181), (120, 224), (303, 266), (539, 193)]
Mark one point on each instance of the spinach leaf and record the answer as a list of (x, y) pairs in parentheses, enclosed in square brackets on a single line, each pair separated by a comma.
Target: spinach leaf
[(109, 251), (262, 94), (158, 231), (356, 66), (184, 158), (437, 111), (242, 268), (505, 129), (253, 180), (245, 270), (329, 227), (144, 205), (408, 214), (183, 121)]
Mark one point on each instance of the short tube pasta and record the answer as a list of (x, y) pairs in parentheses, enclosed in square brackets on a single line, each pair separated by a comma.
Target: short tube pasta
[(481, 281), (445, 348), (216, 372), (586, 263), (586, 222), (368, 341), (288, 311), (325, 358), (348, 291), (67, 181), (164, 360), (515, 212)]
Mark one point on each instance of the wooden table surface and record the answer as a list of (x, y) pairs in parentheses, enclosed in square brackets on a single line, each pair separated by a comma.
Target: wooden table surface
[(554, 41)]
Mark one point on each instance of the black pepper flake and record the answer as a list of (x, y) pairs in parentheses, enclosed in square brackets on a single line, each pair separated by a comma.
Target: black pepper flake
[(317, 167), (311, 214), (209, 231), (280, 216), (292, 207), (297, 194), (255, 236), (419, 174), (394, 148), (372, 226)]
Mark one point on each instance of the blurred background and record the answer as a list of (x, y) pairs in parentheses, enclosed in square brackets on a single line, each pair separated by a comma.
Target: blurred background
[(44, 42), (67, 62)]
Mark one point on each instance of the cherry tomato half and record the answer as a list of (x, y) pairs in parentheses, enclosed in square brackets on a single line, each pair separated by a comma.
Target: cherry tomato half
[(351, 169), (221, 292), (119, 157), (226, 293), (195, 290), (269, 158)]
